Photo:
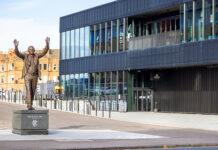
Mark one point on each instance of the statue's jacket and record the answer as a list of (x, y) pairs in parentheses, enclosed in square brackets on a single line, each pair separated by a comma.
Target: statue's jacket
[(27, 62)]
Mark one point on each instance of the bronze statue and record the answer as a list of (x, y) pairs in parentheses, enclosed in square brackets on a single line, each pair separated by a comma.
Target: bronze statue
[(31, 69)]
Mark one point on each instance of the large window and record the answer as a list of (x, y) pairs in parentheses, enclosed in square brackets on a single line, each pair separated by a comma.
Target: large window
[(67, 44), (108, 37), (97, 84), (201, 26), (45, 67), (97, 39), (81, 85), (102, 38), (91, 84), (208, 20), (114, 36), (77, 43), (114, 83), (76, 85), (63, 45), (108, 83), (62, 85), (82, 42), (121, 35), (72, 49), (92, 40), (87, 49), (102, 83), (67, 87), (71, 94), (86, 84)]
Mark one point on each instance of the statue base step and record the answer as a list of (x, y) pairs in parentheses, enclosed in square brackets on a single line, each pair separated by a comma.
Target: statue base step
[(30, 122)]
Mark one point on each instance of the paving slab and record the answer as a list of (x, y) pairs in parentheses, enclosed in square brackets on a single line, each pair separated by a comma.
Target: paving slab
[(7, 135)]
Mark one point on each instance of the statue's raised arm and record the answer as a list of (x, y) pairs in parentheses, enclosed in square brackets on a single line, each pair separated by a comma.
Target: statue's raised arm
[(20, 55), (45, 50)]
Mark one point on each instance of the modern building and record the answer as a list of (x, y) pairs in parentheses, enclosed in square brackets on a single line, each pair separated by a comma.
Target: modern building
[(154, 54), (11, 69)]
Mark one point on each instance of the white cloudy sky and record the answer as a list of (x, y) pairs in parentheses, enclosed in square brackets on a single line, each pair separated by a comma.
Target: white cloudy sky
[(30, 21)]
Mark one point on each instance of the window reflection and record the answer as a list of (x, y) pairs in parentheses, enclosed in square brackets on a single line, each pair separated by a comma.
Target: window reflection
[(72, 44), (121, 35), (87, 41), (67, 44), (77, 44), (82, 42), (97, 39), (62, 85), (102, 38), (72, 86), (86, 84), (81, 89), (63, 45), (76, 85), (91, 84), (108, 49), (114, 36), (92, 40)]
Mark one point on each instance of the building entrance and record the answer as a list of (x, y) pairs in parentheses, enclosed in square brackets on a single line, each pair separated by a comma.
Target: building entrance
[(142, 99)]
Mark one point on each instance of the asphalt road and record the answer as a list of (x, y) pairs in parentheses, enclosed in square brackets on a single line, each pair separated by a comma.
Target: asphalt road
[(68, 121), (195, 148)]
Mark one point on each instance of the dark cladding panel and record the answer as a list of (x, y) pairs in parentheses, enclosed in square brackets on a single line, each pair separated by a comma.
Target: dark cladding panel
[(192, 90), (111, 11), (181, 55)]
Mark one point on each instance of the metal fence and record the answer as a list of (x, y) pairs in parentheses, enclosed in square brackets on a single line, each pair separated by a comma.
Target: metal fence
[(97, 106)]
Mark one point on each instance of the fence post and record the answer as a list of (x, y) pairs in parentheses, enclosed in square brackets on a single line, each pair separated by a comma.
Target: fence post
[(103, 108), (51, 102), (61, 102), (78, 106), (110, 103), (96, 111), (84, 105)]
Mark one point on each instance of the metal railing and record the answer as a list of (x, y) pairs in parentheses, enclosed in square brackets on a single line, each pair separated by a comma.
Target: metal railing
[(101, 106)]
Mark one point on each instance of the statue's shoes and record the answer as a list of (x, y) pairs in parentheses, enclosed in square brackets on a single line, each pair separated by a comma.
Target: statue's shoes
[(31, 108)]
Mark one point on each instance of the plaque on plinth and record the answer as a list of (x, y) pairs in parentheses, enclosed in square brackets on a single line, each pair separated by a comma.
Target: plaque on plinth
[(30, 122)]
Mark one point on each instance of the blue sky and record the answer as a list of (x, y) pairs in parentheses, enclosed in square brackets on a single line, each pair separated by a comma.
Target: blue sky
[(30, 21)]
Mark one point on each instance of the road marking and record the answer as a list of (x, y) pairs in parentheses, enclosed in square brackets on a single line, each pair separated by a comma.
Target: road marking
[(7, 135)]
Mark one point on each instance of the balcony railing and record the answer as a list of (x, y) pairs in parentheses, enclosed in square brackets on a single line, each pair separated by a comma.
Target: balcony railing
[(155, 40)]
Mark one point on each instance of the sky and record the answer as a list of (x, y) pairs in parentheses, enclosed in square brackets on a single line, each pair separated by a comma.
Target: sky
[(31, 21)]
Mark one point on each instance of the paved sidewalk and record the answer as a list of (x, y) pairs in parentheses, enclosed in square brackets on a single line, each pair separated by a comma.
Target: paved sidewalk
[(74, 131), (194, 121)]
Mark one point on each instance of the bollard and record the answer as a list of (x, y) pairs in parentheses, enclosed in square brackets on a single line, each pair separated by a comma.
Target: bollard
[(66, 104), (61, 103), (51, 102), (96, 112), (84, 105), (78, 107), (103, 109), (110, 103)]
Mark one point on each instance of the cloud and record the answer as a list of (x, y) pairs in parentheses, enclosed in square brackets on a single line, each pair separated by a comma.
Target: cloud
[(18, 5), (27, 32)]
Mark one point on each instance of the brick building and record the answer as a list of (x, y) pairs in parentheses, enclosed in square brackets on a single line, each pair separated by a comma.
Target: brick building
[(11, 69)]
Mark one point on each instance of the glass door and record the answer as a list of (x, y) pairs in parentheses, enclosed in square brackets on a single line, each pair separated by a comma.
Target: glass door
[(142, 100)]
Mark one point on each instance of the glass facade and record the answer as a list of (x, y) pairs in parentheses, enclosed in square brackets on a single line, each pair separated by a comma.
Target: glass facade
[(195, 21), (199, 20)]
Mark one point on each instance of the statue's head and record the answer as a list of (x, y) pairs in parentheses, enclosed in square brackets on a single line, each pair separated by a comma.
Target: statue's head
[(31, 50)]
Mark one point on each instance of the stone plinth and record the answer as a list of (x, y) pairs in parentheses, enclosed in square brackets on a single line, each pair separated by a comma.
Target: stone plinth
[(30, 122)]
